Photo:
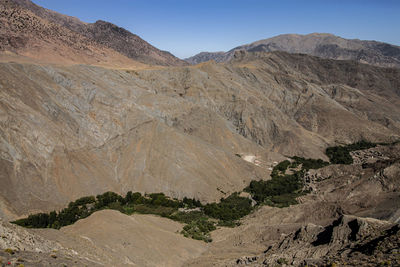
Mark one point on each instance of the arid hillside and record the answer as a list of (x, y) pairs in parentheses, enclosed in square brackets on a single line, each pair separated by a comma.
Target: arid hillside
[(30, 31), (238, 149), (81, 130), (316, 44), (107, 238), (349, 217)]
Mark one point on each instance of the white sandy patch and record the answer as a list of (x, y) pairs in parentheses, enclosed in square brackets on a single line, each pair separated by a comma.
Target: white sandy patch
[(252, 159)]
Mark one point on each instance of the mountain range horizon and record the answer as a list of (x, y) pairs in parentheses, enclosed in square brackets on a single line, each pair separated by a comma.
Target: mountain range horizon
[(225, 55), (187, 28), (280, 152)]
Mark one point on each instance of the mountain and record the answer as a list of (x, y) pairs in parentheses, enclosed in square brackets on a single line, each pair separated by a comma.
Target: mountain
[(70, 131), (87, 109), (351, 217), (37, 32), (317, 44)]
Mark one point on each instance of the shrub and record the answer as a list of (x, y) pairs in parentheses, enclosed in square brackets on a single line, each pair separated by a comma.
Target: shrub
[(199, 230), (281, 185), (308, 164), (282, 261), (9, 251), (116, 206), (159, 199), (341, 154), (228, 223), (282, 166), (231, 208), (157, 210), (107, 198), (188, 217), (284, 200), (191, 203)]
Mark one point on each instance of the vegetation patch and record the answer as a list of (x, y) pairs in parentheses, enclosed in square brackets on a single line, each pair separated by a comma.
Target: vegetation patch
[(9, 251), (199, 229), (341, 154), (281, 191), (229, 209), (308, 164)]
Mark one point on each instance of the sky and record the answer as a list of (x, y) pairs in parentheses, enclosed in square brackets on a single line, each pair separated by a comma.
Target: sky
[(187, 27)]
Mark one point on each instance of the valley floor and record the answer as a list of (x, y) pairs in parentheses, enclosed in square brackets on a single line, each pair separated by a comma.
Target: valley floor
[(332, 224)]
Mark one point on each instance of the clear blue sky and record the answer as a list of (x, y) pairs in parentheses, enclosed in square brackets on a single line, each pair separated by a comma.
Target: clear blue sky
[(188, 27)]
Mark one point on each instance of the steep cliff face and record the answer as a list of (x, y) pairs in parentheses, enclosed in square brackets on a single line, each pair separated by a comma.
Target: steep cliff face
[(317, 44)]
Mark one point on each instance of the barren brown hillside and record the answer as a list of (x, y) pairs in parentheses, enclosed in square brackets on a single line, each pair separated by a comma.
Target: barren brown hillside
[(83, 130), (91, 108), (323, 45), (36, 32)]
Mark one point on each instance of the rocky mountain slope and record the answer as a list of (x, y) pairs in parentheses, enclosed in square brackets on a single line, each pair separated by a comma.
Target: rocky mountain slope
[(68, 132), (112, 123), (30, 30), (107, 238), (317, 44), (350, 218)]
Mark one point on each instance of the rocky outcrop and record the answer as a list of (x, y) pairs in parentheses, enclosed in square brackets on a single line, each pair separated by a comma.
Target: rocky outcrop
[(316, 232), (22, 247), (348, 239), (19, 239)]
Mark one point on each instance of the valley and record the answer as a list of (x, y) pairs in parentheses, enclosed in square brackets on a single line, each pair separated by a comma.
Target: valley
[(282, 152)]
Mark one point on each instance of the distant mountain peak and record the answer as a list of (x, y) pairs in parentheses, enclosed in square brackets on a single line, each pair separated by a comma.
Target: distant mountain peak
[(325, 45)]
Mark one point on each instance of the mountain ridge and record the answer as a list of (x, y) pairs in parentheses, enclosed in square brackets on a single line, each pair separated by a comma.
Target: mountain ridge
[(101, 33), (323, 45), (117, 129), (84, 111)]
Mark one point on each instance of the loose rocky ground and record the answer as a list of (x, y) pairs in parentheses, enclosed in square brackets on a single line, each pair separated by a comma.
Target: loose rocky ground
[(106, 238), (68, 132), (350, 217), (29, 31), (203, 132)]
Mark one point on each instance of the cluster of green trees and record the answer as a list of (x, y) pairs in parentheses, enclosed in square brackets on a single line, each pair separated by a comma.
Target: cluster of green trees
[(199, 229), (281, 191), (308, 164), (79, 209), (341, 154), (83, 207), (229, 209)]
